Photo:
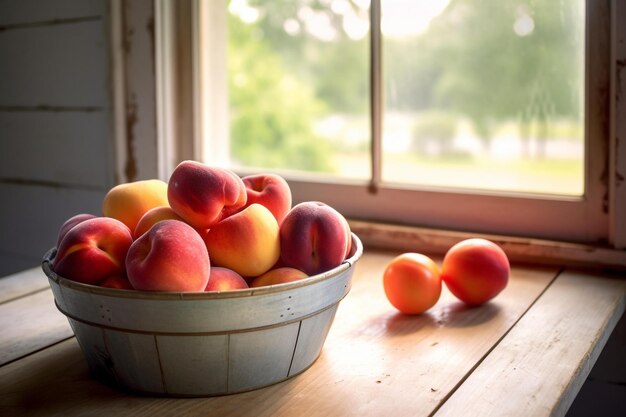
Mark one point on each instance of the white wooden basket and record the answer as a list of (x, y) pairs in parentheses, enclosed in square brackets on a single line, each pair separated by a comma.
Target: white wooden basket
[(202, 344)]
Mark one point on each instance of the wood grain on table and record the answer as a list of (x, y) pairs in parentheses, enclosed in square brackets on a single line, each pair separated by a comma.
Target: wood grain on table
[(452, 360)]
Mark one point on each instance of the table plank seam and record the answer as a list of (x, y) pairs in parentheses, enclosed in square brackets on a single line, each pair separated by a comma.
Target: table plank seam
[(41, 349), (26, 294), (488, 352)]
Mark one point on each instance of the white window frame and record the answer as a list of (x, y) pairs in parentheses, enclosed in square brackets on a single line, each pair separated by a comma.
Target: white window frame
[(595, 221)]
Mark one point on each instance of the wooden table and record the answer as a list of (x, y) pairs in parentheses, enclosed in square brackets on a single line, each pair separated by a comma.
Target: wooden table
[(527, 352)]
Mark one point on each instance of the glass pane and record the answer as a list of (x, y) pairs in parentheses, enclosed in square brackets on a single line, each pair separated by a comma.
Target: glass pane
[(485, 94), (298, 85)]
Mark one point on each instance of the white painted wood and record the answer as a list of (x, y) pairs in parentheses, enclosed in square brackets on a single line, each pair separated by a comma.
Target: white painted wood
[(59, 298), (54, 121), (617, 176), (163, 312), (126, 360), (260, 358), (526, 216), (518, 249), (311, 338), (54, 66), (30, 219), (62, 147), (29, 324), (118, 91), (597, 119), (610, 366), (194, 365), (203, 312), (135, 361), (165, 67), (134, 79), (19, 12), (546, 357), (214, 146), (176, 84), (203, 343), (94, 352)]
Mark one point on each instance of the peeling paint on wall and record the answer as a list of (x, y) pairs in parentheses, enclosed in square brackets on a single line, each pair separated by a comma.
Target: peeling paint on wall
[(130, 168)]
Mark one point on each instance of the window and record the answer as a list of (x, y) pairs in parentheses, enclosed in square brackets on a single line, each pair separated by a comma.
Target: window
[(378, 117)]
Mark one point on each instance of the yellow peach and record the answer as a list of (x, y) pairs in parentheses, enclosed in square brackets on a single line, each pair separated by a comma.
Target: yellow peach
[(278, 276), (128, 202), (152, 217), (246, 242)]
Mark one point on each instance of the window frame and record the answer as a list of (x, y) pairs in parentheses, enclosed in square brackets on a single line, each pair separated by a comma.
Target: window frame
[(592, 220)]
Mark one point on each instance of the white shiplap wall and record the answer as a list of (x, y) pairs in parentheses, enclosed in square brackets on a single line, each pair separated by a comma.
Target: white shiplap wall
[(56, 151)]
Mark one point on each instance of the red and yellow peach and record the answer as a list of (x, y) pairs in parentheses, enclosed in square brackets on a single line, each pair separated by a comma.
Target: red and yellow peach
[(200, 194), (269, 190), (278, 276), (412, 283), (225, 279), (152, 217), (118, 282), (128, 202), (246, 242), (93, 250), (475, 270), (171, 256), (314, 237), (71, 222)]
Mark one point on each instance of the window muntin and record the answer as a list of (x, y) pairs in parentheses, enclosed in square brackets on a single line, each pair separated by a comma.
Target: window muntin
[(578, 218), (476, 94), (298, 87)]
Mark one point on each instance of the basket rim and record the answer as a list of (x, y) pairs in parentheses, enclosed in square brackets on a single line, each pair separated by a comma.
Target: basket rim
[(357, 251)]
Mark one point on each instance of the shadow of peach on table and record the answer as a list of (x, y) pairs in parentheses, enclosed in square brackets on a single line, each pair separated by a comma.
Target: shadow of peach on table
[(397, 323), (459, 314), (456, 314)]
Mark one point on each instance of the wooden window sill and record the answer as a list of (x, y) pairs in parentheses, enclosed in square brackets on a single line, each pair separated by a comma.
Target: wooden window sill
[(518, 249)]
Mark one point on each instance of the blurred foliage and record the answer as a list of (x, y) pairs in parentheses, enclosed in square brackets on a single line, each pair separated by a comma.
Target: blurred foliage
[(434, 132), (271, 111), (473, 61)]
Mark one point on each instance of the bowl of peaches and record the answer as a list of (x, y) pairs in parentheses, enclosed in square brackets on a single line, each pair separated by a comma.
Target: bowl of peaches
[(207, 284)]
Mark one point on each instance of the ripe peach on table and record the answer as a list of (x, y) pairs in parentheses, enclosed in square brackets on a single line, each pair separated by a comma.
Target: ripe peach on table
[(71, 222), (152, 217), (278, 276), (93, 250), (200, 194), (475, 270), (412, 283), (171, 256), (270, 190), (225, 279), (128, 202), (246, 242), (314, 237)]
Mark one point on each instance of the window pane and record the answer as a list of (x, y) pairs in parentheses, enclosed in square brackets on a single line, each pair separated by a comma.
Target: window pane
[(298, 85), (484, 94)]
